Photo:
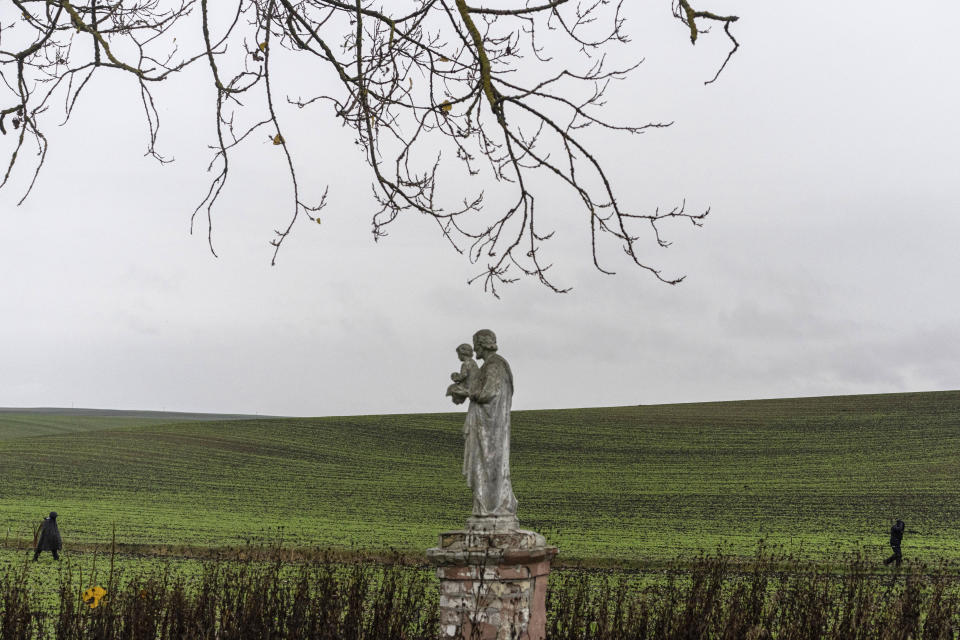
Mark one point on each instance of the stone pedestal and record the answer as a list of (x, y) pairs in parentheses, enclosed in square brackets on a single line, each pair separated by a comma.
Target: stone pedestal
[(492, 576)]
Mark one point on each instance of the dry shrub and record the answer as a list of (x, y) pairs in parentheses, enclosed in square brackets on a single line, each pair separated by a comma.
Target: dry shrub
[(713, 597)]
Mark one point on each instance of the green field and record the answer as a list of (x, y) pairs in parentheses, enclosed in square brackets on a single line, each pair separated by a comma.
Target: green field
[(630, 486), (21, 423)]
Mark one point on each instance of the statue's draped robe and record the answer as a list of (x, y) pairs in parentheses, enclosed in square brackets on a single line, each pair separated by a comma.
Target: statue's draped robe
[(486, 456)]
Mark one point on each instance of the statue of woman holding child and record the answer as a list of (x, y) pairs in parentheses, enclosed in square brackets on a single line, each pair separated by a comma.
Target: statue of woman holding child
[(486, 454)]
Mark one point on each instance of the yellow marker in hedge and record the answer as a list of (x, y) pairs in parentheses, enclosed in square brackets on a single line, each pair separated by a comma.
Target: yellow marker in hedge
[(93, 595)]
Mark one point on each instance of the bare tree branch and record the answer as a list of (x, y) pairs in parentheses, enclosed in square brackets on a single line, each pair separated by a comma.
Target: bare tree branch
[(427, 87)]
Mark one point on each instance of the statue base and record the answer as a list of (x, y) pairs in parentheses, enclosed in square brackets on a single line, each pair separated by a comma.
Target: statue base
[(494, 579), (493, 523)]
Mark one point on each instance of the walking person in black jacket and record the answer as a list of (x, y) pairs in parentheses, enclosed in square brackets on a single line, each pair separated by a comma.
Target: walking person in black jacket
[(49, 538), (896, 537)]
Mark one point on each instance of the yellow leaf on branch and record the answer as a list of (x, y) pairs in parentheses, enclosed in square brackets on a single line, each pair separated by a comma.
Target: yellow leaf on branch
[(278, 139), (263, 46)]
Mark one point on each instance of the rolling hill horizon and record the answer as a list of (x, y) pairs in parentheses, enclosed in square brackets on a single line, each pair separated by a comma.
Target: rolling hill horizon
[(131, 413), (625, 485), (205, 415)]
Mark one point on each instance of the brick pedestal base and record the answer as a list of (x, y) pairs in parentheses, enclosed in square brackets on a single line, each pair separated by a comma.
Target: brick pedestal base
[(493, 579)]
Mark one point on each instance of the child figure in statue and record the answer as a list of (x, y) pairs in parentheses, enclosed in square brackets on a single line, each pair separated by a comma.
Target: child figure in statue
[(466, 378)]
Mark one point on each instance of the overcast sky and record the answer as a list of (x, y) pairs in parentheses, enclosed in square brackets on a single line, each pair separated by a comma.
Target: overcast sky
[(828, 151)]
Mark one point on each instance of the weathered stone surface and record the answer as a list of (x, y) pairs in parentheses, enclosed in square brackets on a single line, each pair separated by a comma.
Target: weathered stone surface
[(452, 588), (449, 617), (501, 523), (486, 430), (512, 541), (494, 580), (493, 575)]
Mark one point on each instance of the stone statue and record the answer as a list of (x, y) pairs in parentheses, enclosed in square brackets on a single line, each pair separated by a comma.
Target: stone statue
[(486, 455), (466, 378), (493, 574)]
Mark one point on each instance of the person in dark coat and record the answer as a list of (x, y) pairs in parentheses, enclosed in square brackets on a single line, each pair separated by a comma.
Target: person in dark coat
[(896, 537), (49, 539)]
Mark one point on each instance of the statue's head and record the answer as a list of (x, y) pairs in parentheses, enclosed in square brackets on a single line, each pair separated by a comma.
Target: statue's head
[(465, 350), (484, 342)]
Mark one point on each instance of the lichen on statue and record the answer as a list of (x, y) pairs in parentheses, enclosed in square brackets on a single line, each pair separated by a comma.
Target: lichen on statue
[(486, 456)]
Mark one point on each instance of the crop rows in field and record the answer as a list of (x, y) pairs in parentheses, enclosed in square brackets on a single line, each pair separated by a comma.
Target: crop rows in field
[(17, 425), (624, 485), (20, 423)]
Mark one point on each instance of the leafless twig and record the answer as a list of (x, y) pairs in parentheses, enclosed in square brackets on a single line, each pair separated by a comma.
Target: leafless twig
[(428, 88)]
